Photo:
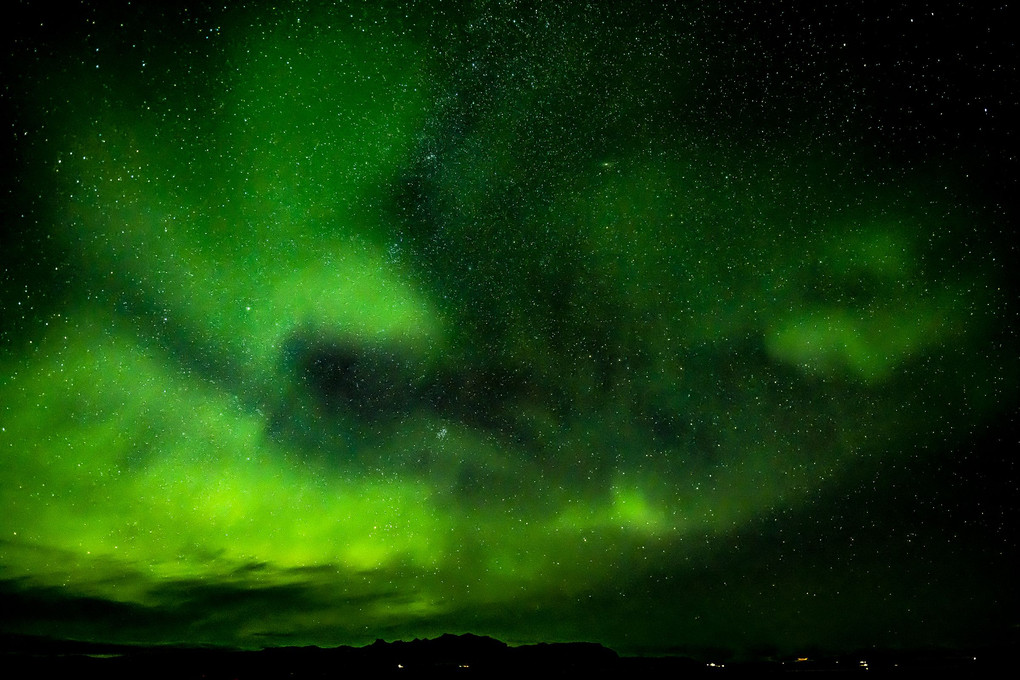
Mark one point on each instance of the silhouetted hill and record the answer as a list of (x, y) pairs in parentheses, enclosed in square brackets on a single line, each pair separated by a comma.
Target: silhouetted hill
[(446, 656)]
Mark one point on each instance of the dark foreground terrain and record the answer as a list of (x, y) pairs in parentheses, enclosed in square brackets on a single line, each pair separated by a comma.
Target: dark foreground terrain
[(453, 655)]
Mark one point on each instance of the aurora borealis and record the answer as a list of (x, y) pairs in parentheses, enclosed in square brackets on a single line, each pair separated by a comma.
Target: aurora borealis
[(667, 327)]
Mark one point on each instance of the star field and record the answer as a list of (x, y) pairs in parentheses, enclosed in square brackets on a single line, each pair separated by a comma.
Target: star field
[(669, 327)]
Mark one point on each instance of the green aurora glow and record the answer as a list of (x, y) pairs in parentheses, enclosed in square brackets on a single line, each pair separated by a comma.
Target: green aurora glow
[(695, 334)]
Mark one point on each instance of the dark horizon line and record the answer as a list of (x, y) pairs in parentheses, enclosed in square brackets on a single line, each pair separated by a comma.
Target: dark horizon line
[(37, 644)]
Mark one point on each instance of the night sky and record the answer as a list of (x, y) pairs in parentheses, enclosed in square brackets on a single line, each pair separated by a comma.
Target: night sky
[(671, 326)]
